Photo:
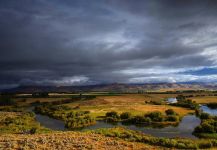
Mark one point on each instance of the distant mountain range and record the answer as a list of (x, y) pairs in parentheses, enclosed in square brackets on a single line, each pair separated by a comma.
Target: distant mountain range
[(116, 87)]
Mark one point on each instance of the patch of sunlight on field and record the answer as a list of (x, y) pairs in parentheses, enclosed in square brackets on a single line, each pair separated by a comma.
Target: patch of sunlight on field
[(205, 99), (134, 103)]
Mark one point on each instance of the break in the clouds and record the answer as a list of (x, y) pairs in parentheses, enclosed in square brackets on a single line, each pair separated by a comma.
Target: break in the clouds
[(77, 42)]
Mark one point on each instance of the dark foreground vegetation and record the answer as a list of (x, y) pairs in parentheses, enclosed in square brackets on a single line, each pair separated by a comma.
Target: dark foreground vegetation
[(72, 118)]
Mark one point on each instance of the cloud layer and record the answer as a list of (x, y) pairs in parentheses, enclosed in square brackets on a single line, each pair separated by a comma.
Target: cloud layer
[(90, 42)]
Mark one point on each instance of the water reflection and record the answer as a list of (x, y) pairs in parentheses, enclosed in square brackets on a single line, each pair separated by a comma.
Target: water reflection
[(48, 122), (51, 123), (184, 129), (208, 110), (171, 100)]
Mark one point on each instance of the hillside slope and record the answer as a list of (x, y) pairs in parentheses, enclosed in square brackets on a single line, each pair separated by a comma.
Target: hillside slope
[(67, 141), (115, 87)]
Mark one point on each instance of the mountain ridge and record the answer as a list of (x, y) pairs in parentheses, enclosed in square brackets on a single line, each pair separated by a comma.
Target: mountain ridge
[(114, 87)]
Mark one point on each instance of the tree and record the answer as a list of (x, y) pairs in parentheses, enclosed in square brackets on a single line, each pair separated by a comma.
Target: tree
[(170, 112), (155, 116), (112, 114), (125, 115), (172, 118), (204, 116)]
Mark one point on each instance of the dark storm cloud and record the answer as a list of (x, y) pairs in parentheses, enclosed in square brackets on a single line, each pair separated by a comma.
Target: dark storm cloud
[(87, 42)]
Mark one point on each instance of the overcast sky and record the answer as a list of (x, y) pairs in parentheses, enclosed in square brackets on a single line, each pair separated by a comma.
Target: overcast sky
[(79, 42)]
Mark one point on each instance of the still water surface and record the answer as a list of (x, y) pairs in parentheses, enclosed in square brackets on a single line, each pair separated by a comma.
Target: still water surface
[(208, 110)]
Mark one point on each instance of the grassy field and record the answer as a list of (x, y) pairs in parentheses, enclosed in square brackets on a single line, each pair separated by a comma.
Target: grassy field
[(205, 99), (134, 103)]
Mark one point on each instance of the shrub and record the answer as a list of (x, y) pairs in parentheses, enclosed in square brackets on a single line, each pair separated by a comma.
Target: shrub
[(8, 120), (172, 118), (198, 112), (212, 105), (198, 129), (207, 127), (181, 146), (182, 102), (125, 115), (204, 116), (180, 97), (71, 118), (155, 116), (205, 144), (33, 130), (156, 102), (140, 120), (86, 112), (170, 112), (112, 114), (111, 119), (79, 122)]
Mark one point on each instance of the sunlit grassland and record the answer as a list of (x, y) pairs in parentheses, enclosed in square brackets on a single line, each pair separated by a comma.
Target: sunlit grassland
[(205, 99), (137, 104), (134, 103)]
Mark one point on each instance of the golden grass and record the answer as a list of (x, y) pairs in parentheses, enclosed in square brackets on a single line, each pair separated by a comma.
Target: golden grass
[(205, 99), (68, 141), (4, 115), (157, 97), (134, 103)]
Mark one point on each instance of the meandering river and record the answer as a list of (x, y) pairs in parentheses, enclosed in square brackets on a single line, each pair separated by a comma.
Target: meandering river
[(184, 129), (48, 122)]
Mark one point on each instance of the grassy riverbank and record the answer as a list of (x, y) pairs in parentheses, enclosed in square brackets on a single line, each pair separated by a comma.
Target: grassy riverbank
[(20, 123), (72, 119), (175, 143)]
